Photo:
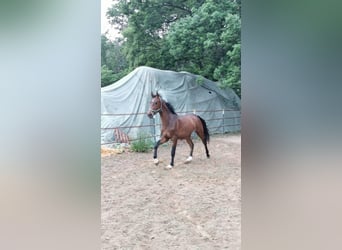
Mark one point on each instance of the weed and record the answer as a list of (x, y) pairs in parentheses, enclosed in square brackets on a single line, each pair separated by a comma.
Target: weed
[(142, 144)]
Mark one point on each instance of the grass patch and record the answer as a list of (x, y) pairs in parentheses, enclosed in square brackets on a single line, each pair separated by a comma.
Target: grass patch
[(142, 143)]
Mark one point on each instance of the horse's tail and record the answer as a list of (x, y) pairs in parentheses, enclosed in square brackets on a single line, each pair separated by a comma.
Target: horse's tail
[(205, 129)]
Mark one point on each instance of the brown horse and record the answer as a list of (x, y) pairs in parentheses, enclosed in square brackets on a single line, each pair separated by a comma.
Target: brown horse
[(176, 127)]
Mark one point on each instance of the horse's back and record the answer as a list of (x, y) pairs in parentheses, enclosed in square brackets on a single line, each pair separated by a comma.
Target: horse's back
[(188, 120), (186, 124)]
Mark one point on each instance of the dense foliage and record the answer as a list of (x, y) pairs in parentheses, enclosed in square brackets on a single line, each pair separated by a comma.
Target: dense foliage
[(113, 61), (201, 37)]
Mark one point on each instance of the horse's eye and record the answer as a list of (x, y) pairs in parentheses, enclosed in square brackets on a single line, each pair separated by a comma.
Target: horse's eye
[(155, 103)]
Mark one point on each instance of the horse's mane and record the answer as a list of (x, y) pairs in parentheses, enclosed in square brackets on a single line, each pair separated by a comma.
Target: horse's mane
[(170, 107)]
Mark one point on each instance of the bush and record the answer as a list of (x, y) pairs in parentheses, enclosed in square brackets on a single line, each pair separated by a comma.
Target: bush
[(142, 144)]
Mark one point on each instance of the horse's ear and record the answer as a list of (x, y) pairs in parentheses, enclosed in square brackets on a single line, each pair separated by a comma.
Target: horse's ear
[(157, 93), (152, 94)]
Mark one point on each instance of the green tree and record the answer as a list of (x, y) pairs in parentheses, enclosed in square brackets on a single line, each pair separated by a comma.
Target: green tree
[(208, 43), (112, 54), (144, 25), (202, 37), (107, 76), (113, 61)]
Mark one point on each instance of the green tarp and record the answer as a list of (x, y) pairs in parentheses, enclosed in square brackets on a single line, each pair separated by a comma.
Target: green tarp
[(124, 104)]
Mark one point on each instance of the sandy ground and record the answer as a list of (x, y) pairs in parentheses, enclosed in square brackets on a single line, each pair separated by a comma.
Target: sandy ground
[(192, 206)]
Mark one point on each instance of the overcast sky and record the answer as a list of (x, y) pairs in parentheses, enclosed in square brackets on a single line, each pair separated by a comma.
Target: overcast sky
[(105, 26)]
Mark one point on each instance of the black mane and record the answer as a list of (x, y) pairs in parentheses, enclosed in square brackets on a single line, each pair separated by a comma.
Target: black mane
[(170, 107)]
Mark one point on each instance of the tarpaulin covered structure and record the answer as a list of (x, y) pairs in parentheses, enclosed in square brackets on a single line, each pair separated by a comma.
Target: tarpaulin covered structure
[(124, 104)]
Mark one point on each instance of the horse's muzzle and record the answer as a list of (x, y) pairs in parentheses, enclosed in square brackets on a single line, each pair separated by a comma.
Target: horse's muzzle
[(150, 114)]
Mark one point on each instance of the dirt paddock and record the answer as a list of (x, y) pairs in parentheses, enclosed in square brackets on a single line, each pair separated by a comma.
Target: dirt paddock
[(192, 206)]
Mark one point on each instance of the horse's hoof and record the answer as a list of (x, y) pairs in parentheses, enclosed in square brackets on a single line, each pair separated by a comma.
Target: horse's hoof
[(155, 161), (188, 160), (168, 167)]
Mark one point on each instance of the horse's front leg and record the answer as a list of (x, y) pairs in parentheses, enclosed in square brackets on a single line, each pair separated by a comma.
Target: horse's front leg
[(161, 141), (191, 144), (173, 153)]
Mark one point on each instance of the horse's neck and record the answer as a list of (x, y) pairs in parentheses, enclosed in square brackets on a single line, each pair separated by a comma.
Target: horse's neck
[(166, 116)]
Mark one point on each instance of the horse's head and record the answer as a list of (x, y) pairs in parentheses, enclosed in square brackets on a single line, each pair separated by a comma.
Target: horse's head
[(155, 105)]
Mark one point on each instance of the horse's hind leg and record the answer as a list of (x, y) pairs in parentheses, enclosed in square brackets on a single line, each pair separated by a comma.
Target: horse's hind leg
[(206, 148), (191, 144), (201, 135)]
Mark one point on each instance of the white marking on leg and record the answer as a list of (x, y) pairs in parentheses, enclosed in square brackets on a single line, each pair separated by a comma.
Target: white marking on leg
[(155, 161), (189, 159), (168, 167)]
